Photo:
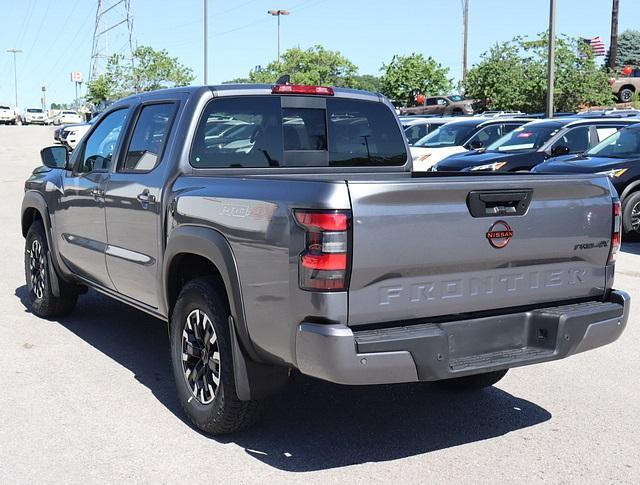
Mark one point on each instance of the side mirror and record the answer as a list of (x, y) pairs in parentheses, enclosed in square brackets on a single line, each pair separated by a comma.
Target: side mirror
[(560, 150), (476, 145), (56, 156)]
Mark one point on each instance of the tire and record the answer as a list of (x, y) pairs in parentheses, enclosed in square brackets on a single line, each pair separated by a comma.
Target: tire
[(471, 383), (625, 95), (214, 407), (631, 216), (41, 298)]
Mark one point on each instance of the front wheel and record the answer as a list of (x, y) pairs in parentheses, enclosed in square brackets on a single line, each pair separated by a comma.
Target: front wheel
[(471, 383), (202, 361), (37, 274)]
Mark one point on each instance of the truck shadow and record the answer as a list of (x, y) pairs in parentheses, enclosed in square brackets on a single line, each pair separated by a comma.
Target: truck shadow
[(313, 425), (630, 247)]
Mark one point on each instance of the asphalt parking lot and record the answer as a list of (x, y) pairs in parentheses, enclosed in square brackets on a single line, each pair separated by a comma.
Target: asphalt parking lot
[(91, 398)]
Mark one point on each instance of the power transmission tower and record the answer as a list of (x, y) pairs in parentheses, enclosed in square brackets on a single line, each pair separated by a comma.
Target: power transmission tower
[(114, 23)]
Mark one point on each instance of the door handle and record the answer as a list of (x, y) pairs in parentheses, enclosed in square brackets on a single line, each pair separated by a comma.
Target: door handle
[(146, 198)]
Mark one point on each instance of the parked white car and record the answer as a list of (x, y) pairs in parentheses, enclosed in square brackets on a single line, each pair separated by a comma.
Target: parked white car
[(8, 115), (33, 116), (71, 135), (458, 136), (67, 118)]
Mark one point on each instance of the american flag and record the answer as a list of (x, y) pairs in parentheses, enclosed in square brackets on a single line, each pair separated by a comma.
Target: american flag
[(597, 46)]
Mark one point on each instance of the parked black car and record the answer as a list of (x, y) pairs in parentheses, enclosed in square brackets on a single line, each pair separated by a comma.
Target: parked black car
[(533, 143), (618, 157)]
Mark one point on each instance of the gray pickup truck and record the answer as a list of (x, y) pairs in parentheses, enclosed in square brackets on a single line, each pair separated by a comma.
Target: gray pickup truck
[(280, 228)]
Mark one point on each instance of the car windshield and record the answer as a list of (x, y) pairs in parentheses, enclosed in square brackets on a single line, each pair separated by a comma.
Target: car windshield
[(34, 110), (447, 136), (69, 113), (623, 144), (4, 107), (528, 137)]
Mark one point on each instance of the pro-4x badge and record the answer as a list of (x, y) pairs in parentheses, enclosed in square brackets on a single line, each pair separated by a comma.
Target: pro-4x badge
[(499, 234)]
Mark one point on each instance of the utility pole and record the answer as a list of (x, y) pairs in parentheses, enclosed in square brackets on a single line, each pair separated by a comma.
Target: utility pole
[(278, 13), (206, 42), (551, 59), (465, 36), (613, 50), (15, 51)]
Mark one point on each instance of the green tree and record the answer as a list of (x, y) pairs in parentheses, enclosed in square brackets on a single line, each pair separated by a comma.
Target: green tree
[(367, 82), (148, 70), (496, 81), (513, 76), (314, 66), (628, 49), (406, 76)]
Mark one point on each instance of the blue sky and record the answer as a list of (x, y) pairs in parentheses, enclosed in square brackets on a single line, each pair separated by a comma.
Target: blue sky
[(56, 35)]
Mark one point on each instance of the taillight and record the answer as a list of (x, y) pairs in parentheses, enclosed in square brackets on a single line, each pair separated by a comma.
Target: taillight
[(300, 89), (612, 81), (324, 264), (616, 232)]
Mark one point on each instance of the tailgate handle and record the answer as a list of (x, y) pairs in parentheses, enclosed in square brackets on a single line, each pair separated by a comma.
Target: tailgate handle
[(498, 203)]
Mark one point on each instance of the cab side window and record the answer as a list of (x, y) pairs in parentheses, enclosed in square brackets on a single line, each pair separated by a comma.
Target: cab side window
[(148, 139), (99, 147)]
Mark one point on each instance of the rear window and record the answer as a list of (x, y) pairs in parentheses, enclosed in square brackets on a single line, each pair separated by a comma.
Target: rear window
[(4, 107), (255, 131)]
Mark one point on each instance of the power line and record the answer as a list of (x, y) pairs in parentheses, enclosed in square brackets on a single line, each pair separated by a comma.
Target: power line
[(115, 19), (37, 36), (53, 44)]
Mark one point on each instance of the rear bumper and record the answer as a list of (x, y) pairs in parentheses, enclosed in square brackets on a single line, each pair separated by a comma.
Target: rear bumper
[(434, 351)]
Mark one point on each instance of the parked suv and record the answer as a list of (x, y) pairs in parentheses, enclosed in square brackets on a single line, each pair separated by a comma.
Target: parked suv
[(535, 142), (618, 157), (442, 105), (34, 116), (302, 247), (459, 136)]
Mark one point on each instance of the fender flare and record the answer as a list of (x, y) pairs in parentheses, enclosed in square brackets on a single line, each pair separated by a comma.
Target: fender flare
[(632, 187), (212, 245), (34, 200), (254, 379)]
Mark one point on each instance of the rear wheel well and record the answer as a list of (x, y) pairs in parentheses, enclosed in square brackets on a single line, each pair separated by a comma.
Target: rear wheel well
[(29, 217), (628, 86), (185, 267)]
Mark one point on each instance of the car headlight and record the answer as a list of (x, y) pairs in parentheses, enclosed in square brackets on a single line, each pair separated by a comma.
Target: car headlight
[(489, 166), (614, 172)]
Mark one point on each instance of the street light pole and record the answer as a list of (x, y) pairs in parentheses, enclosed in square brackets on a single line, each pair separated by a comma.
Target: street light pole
[(206, 42), (278, 13), (551, 59), (15, 71), (465, 36)]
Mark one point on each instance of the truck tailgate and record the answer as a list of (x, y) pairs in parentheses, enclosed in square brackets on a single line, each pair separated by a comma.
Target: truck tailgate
[(418, 251)]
